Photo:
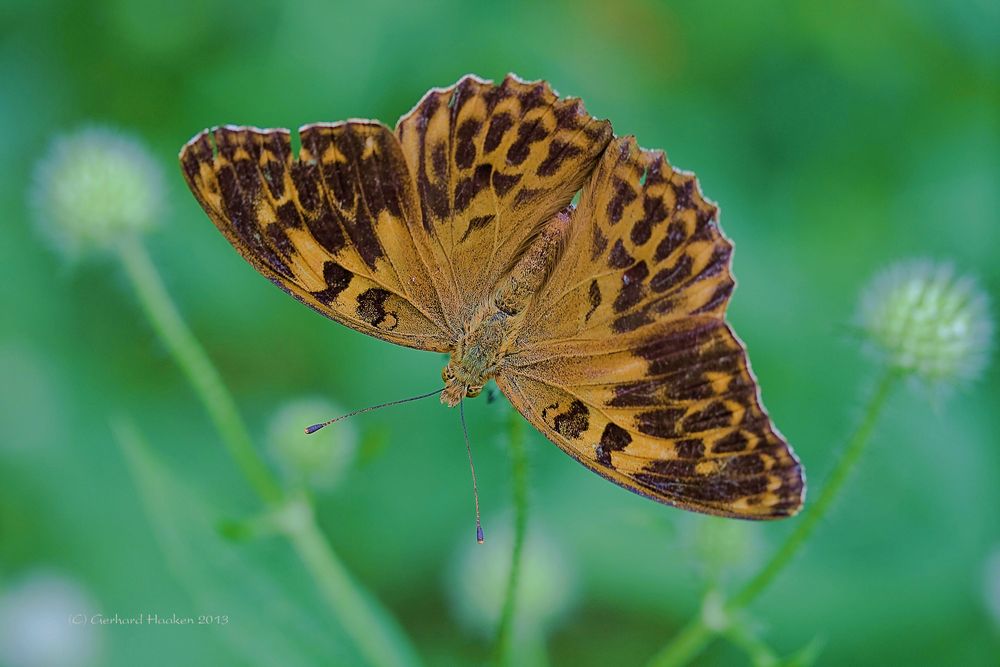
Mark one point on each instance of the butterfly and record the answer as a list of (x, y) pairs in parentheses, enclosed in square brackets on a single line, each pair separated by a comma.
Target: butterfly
[(602, 322)]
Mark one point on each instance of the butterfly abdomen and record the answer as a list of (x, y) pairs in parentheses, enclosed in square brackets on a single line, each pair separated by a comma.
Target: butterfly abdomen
[(533, 267), (492, 329)]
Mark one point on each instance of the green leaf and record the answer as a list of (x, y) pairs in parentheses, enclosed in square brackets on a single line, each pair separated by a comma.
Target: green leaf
[(271, 614)]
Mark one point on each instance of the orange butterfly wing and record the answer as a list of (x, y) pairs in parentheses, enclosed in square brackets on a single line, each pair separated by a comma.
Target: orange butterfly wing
[(399, 236), (338, 228), (626, 362), (492, 163)]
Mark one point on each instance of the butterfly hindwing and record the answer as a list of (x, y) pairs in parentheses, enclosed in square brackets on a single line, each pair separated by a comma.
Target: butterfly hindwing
[(333, 228), (626, 362), (677, 420)]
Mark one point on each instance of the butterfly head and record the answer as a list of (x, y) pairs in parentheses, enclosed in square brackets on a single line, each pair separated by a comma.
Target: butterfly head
[(458, 385)]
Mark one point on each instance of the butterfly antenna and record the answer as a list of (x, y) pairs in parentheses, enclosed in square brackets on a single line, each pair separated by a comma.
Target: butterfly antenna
[(475, 487), (316, 427)]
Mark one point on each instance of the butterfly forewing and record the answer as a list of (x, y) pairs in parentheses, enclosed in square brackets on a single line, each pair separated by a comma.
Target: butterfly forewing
[(626, 362), (492, 163), (334, 228)]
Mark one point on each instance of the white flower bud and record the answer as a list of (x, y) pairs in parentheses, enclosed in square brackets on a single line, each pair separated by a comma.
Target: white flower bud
[(720, 547), (317, 461), (477, 581), (94, 188), (45, 622), (927, 321)]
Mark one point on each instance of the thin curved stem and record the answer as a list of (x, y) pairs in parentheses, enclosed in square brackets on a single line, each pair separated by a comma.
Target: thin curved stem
[(376, 634), (804, 529), (378, 637), (698, 634), (519, 478), (692, 639), (194, 362)]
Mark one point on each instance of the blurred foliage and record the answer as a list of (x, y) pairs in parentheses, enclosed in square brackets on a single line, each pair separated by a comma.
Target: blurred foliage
[(835, 137)]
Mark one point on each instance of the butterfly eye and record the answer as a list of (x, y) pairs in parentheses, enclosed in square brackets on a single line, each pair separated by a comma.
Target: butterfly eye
[(472, 392), (447, 374)]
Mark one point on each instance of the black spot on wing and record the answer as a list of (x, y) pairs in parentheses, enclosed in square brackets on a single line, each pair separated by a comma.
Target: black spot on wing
[(654, 212), (502, 183), (288, 215), (239, 209), (558, 152), (662, 423), (337, 279), (274, 174), (527, 134), (469, 187), (719, 297), (354, 185), (716, 489), (574, 421), (715, 415), (624, 195), (631, 321), (690, 448), (745, 464), (305, 176), (594, 296), (684, 193), (476, 224), (717, 263), (619, 258), (673, 468), (279, 240), (671, 276), (599, 243), (632, 290), (465, 147), (614, 439), (730, 443), (371, 308), (499, 125), (673, 240)]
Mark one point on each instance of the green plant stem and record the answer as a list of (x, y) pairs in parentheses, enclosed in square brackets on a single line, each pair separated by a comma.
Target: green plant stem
[(519, 477), (194, 362), (698, 634), (378, 637), (804, 529), (760, 654), (691, 640), (375, 633)]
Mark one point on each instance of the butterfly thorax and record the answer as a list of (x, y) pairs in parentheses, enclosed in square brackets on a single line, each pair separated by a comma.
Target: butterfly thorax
[(492, 329)]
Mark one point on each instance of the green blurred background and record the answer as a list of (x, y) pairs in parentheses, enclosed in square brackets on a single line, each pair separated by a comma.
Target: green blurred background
[(835, 138)]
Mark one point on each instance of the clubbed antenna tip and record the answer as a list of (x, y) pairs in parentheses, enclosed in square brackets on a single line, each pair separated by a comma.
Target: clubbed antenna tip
[(316, 427), (475, 486)]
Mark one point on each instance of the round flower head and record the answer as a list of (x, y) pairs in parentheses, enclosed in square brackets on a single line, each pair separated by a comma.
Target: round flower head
[(95, 187), (927, 321), (477, 581), (317, 461), (45, 621), (720, 546)]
